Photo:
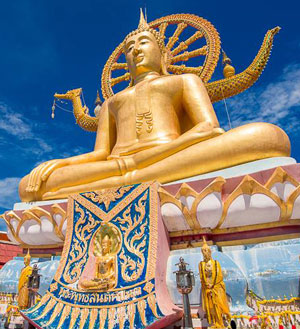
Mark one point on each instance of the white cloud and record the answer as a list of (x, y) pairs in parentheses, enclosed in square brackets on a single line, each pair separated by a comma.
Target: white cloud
[(276, 103), (13, 123), (9, 192)]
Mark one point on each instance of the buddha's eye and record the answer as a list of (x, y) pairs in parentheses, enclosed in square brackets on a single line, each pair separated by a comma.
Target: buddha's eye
[(129, 49)]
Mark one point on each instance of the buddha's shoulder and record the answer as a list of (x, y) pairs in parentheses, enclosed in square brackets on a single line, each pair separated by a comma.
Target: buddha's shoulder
[(120, 96), (176, 78), (123, 93), (190, 77)]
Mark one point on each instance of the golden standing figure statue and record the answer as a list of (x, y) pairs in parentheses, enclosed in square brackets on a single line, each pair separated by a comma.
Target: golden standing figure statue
[(105, 276), (23, 291), (162, 127), (214, 300)]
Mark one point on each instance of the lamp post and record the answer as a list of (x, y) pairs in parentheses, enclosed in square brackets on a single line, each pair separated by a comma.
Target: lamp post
[(185, 281), (33, 285)]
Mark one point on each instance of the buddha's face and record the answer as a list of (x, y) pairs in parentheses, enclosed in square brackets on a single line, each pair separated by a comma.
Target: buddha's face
[(206, 252), (26, 261), (142, 54)]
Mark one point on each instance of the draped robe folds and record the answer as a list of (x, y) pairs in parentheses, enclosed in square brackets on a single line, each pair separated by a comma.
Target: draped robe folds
[(214, 300), (23, 297)]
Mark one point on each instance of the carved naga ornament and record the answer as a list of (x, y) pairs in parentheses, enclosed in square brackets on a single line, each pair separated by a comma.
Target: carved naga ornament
[(177, 52)]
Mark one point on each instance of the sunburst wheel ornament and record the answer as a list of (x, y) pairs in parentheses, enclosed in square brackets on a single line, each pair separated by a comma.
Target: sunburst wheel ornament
[(179, 47)]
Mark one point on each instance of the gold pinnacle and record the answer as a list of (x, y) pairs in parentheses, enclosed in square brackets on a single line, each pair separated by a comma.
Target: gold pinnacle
[(98, 100), (143, 23)]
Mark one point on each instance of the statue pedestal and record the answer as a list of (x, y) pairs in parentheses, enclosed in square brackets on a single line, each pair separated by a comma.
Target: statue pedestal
[(251, 214), (253, 202)]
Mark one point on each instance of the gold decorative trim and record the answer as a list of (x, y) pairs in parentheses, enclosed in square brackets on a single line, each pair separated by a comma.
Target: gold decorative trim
[(258, 240), (54, 313), (248, 186), (215, 186), (68, 238), (166, 197), (84, 313), (121, 315), (65, 313), (196, 244), (153, 235), (131, 308), (291, 201), (74, 315), (152, 304), (111, 317), (141, 305), (52, 303), (35, 213), (103, 315), (93, 318), (43, 246), (280, 176)]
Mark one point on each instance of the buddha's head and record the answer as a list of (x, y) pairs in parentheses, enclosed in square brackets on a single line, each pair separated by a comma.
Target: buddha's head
[(27, 258), (145, 50), (206, 252), (106, 245)]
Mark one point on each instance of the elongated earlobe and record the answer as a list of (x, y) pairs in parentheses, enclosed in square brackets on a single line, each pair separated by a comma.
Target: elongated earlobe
[(164, 63)]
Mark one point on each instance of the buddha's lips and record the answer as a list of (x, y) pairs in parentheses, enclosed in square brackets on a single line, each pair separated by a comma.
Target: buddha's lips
[(138, 59)]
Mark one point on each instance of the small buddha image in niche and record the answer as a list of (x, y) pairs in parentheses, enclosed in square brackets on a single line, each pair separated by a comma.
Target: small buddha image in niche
[(101, 272)]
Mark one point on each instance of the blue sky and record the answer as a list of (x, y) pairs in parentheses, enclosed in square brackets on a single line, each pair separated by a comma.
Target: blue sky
[(54, 46)]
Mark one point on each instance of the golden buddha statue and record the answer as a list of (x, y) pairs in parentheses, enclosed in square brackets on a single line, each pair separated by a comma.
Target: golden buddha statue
[(214, 301), (23, 291), (105, 265), (162, 127)]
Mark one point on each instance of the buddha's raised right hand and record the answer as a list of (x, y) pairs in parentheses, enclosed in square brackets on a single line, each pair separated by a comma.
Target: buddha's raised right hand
[(40, 174)]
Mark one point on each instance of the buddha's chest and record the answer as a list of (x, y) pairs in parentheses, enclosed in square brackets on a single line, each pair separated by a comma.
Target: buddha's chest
[(145, 107), (147, 96)]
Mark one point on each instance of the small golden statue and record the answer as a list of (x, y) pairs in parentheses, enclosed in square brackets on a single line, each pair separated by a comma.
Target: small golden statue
[(23, 291), (162, 127), (105, 247), (214, 300)]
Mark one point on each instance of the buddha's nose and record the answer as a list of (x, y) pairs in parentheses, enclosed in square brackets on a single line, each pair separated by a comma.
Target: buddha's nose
[(135, 51)]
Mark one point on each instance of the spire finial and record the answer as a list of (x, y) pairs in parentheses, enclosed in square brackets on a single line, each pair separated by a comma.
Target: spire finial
[(143, 23), (228, 70), (225, 58), (27, 255), (204, 245), (98, 100)]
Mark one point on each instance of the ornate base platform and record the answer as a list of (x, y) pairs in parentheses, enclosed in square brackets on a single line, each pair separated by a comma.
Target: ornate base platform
[(260, 206), (251, 219)]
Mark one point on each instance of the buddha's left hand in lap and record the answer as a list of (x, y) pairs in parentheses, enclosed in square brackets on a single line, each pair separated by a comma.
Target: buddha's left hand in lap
[(42, 172)]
